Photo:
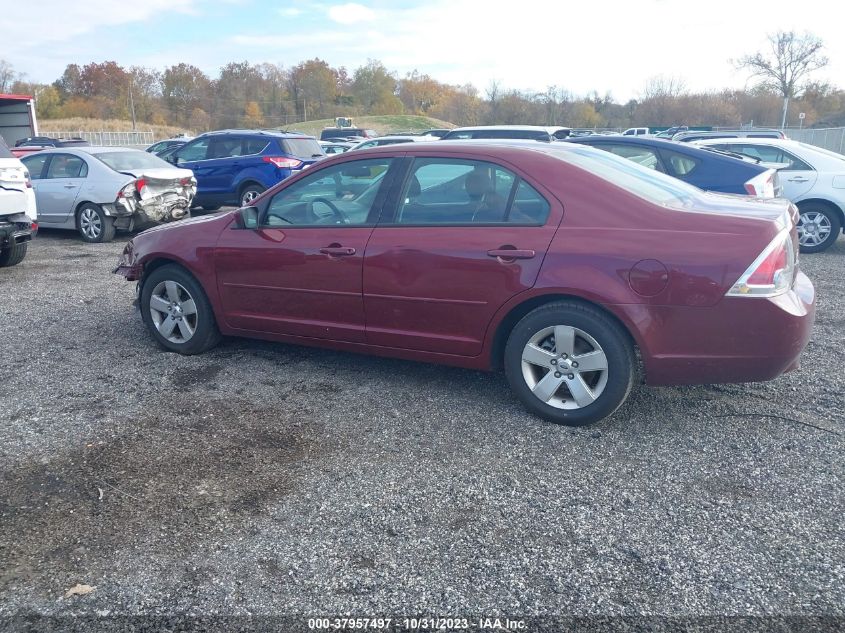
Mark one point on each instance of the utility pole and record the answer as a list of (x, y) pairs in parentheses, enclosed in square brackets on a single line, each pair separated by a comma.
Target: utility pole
[(785, 108), (132, 104)]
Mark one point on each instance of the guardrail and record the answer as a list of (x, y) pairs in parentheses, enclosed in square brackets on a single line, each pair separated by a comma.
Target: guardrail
[(108, 138)]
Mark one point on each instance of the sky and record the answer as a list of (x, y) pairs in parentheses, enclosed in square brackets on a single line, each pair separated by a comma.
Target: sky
[(611, 46)]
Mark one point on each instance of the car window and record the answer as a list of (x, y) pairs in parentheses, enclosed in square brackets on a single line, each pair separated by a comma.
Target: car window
[(454, 191), (641, 155), (342, 194), (254, 145), (67, 166), (225, 147), (368, 144), (772, 154), (129, 160), (157, 147), (302, 148), (679, 165), (35, 165), (197, 150)]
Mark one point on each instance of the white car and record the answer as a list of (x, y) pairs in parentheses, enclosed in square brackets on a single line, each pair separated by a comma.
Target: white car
[(391, 140), (812, 177), (17, 208)]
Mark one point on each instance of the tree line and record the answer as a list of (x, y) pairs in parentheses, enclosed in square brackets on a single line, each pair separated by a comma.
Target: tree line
[(271, 95)]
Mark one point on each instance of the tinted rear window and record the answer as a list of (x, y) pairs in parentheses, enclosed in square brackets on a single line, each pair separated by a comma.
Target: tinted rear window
[(641, 181), (494, 134), (127, 161), (302, 148), (4, 149)]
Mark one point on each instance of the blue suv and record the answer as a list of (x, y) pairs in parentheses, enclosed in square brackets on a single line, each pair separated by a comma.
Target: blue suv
[(236, 166)]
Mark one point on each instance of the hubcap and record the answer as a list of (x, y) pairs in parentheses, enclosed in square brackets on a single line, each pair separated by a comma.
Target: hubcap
[(90, 224), (564, 367), (173, 311), (813, 228), (248, 197)]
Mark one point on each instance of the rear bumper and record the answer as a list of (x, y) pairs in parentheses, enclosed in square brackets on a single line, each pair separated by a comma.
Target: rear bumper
[(16, 232), (740, 339)]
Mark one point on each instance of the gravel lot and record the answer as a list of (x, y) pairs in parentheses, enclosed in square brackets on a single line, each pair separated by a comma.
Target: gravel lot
[(263, 478)]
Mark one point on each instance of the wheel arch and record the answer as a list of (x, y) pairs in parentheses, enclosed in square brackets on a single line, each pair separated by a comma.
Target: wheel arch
[(827, 203), (516, 312)]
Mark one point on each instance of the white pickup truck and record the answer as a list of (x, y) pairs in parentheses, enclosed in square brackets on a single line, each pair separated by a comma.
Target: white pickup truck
[(17, 208)]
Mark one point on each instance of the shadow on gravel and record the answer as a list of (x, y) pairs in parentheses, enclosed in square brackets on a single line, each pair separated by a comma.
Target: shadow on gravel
[(191, 464)]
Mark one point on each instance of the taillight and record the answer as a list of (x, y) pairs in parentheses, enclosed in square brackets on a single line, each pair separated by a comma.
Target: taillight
[(283, 162), (762, 185), (771, 273), (27, 179), (186, 182), (140, 184)]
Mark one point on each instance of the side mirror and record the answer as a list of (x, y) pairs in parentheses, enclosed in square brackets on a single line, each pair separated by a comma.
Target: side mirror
[(249, 217)]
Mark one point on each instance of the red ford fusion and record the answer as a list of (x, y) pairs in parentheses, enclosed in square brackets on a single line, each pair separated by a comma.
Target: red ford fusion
[(561, 264)]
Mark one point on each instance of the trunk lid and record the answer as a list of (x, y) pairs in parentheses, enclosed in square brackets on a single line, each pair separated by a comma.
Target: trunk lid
[(13, 186)]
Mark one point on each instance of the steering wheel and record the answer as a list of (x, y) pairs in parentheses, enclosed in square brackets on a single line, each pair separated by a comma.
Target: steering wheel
[(336, 213)]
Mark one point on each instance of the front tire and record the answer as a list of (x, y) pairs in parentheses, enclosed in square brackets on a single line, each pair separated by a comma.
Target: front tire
[(13, 254), (93, 224), (250, 193), (569, 363), (177, 312), (819, 227)]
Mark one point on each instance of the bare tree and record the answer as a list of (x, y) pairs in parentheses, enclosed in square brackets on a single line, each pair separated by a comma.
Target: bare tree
[(8, 76), (792, 57)]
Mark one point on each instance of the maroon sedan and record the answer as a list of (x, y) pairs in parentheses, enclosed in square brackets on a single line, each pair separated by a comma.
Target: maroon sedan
[(556, 262)]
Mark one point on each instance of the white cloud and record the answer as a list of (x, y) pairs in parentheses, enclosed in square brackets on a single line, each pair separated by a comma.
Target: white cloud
[(351, 13), (290, 12)]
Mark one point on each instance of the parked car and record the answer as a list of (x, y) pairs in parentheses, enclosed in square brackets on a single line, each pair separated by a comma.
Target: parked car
[(439, 132), (167, 144), (686, 137), (530, 132), (391, 140), (636, 131), (344, 132), (460, 253), (813, 178), (17, 208), (99, 190), (712, 171), (335, 147), (46, 141), (668, 133), (236, 166)]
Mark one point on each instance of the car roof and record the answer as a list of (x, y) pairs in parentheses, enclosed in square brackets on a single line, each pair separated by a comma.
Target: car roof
[(89, 149), (532, 128), (747, 139), (241, 132)]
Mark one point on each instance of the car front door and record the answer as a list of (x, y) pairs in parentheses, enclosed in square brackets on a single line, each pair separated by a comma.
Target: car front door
[(461, 238), (298, 272), (193, 156), (796, 176), (56, 191)]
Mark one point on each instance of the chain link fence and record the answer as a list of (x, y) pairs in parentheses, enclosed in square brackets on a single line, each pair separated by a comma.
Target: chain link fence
[(109, 138), (832, 138)]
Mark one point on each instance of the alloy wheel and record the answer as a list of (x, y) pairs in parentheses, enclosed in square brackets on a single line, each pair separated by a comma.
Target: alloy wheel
[(564, 367), (813, 228), (173, 311), (90, 223)]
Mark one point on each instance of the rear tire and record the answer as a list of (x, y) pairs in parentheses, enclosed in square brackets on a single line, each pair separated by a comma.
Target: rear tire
[(569, 363), (13, 254), (823, 227), (93, 224), (177, 312), (249, 193)]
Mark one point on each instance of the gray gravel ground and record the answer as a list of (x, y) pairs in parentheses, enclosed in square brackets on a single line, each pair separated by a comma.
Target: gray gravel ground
[(263, 478)]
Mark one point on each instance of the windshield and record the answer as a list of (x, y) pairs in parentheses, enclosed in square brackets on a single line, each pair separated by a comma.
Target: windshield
[(131, 160), (641, 181)]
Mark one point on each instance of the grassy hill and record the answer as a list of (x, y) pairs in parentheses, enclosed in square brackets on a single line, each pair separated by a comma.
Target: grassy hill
[(381, 124)]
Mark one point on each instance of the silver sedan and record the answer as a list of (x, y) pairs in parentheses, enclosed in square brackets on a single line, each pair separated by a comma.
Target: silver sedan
[(98, 190)]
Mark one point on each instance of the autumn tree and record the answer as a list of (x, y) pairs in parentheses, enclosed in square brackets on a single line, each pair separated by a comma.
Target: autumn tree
[(374, 89), (784, 67), (313, 87), (185, 88)]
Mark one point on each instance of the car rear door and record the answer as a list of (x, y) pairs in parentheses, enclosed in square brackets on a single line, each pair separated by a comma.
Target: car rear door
[(460, 238), (193, 156), (57, 190), (796, 177)]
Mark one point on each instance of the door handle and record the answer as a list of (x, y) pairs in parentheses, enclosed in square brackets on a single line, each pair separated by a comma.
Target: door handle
[(798, 179), (510, 254), (338, 251), (70, 186)]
